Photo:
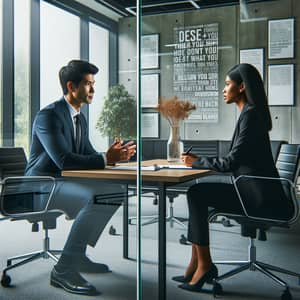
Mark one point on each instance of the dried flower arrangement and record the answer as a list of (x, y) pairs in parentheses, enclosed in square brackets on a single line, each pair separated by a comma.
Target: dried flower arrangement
[(174, 109)]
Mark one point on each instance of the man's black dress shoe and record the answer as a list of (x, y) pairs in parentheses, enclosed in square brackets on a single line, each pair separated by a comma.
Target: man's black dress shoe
[(72, 282), (182, 278), (85, 265), (207, 277)]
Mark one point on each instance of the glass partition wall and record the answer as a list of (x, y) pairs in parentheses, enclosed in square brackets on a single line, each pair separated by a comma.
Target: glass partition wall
[(157, 56), (186, 50), (180, 61)]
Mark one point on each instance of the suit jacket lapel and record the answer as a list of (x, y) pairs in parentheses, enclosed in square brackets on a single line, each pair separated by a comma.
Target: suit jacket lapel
[(237, 127), (235, 134), (68, 120)]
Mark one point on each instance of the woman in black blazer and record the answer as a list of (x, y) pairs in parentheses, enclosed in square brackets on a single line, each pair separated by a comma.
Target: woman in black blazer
[(249, 154)]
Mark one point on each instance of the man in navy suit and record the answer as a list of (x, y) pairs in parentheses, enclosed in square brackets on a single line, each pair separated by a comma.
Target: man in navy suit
[(60, 142)]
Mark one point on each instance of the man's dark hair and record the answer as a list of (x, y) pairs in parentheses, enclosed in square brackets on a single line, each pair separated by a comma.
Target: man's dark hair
[(74, 71)]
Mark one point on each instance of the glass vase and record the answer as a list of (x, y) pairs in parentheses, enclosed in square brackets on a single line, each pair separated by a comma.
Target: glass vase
[(175, 145)]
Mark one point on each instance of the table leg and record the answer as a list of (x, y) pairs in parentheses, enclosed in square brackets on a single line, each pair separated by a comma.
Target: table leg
[(162, 242), (125, 225)]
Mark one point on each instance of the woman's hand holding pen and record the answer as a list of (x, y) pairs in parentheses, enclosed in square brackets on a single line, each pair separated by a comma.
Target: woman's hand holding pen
[(188, 158)]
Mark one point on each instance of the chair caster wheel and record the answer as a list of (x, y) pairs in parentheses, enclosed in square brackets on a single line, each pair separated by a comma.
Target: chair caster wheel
[(217, 289), (5, 280), (183, 240), (112, 230), (286, 295), (226, 222)]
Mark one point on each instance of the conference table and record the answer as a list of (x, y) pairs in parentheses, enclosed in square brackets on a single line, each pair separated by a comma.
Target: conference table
[(160, 180)]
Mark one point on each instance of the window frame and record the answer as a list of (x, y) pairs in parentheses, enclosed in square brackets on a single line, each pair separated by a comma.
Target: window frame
[(86, 15)]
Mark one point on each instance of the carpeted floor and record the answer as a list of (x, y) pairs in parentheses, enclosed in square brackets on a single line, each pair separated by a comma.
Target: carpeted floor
[(31, 282)]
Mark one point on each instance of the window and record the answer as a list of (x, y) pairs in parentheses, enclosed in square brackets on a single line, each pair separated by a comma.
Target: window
[(60, 42), (99, 55), (22, 73)]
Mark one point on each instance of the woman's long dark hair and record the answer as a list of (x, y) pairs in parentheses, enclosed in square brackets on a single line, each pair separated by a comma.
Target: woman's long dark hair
[(254, 89)]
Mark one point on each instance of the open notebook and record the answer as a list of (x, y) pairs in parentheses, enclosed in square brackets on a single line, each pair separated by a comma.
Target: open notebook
[(151, 168)]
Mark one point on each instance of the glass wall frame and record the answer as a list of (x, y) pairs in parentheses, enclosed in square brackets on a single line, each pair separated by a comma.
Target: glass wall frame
[(7, 109), (1, 45), (22, 74)]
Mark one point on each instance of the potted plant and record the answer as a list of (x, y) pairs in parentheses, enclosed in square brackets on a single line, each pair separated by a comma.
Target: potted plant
[(118, 116)]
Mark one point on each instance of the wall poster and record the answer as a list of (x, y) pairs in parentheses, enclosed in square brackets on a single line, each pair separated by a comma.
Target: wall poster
[(150, 89), (150, 125), (195, 69), (281, 38), (281, 84), (254, 57), (149, 51)]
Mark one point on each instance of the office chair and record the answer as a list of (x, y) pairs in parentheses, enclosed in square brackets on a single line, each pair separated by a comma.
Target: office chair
[(152, 219), (26, 198), (209, 148), (252, 221)]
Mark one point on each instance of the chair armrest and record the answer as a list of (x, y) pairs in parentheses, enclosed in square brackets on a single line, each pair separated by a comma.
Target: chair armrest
[(288, 188), (22, 196)]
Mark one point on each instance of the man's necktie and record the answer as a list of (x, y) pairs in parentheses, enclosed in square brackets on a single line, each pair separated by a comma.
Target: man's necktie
[(77, 132)]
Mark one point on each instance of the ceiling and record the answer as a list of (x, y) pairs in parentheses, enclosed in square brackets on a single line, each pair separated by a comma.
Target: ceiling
[(149, 7)]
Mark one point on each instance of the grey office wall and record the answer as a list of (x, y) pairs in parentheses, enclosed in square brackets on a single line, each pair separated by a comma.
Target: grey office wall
[(233, 36)]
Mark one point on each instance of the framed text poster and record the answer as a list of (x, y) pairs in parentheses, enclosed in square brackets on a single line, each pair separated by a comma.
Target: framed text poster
[(150, 51), (281, 84), (281, 38)]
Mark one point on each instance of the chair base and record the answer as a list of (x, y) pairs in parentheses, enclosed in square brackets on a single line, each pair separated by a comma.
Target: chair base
[(154, 219), (257, 266), (45, 253), (253, 264)]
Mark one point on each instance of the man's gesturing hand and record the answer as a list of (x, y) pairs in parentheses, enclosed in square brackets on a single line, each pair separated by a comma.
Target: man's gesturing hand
[(118, 152)]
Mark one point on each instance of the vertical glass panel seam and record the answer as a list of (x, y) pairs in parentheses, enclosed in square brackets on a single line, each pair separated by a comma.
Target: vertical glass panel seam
[(1, 73), (21, 73), (8, 70)]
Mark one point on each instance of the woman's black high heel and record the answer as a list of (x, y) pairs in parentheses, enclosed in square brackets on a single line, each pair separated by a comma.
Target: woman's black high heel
[(182, 278), (207, 277)]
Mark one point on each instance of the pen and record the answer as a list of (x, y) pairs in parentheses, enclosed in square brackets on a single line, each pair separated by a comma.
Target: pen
[(188, 150)]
